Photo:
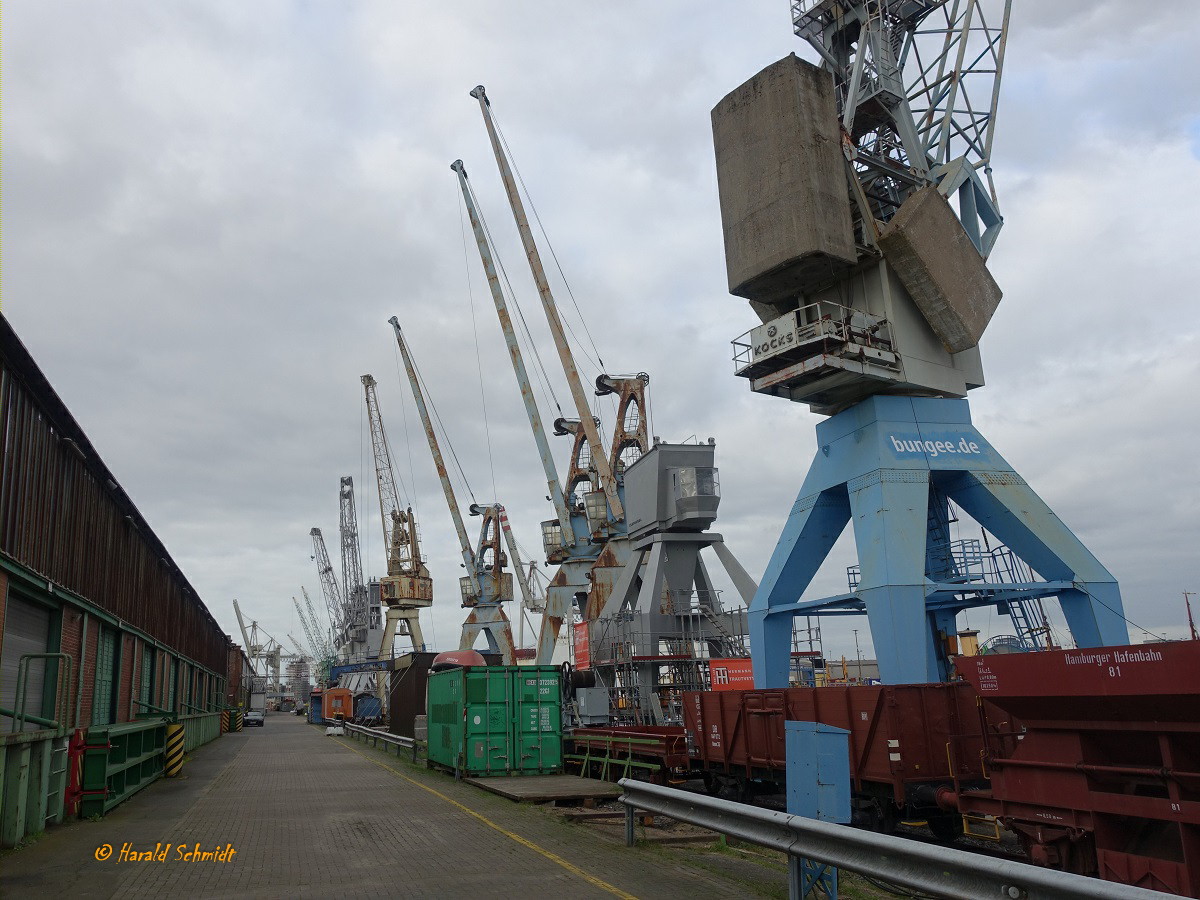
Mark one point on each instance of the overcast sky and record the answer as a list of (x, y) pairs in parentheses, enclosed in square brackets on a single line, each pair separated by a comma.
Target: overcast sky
[(212, 208)]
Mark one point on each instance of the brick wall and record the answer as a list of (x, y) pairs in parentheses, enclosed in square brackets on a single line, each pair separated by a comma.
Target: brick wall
[(89, 672), (72, 632)]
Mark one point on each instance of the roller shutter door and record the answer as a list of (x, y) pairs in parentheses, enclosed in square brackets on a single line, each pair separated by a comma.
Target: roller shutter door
[(26, 630)]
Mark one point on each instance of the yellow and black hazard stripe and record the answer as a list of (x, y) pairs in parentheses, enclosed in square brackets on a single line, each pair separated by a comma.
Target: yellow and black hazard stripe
[(173, 764)]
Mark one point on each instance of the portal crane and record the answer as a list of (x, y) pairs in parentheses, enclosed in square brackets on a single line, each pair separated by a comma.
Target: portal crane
[(565, 538), (407, 588), (260, 647), (329, 587), (319, 635), (604, 470), (357, 600), (873, 293), (486, 585), (587, 569), (650, 586), (317, 647)]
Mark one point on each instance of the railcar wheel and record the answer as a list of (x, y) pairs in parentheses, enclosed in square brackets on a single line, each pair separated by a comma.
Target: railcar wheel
[(946, 829)]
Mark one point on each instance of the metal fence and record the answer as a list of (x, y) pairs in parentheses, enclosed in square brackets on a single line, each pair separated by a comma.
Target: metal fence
[(200, 729), (378, 738), (931, 869)]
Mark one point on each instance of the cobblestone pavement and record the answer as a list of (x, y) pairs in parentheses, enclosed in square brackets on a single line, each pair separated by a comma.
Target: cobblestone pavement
[(311, 816)]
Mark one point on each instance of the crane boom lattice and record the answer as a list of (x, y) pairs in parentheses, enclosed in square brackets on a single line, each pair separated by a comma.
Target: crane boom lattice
[(407, 588)]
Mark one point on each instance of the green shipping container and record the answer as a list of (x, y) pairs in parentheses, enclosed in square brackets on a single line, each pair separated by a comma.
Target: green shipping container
[(496, 720)]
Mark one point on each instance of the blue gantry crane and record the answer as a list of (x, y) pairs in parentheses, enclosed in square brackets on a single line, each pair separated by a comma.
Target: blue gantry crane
[(858, 211)]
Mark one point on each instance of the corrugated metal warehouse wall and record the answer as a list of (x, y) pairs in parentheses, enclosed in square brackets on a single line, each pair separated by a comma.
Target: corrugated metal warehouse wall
[(98, 626)]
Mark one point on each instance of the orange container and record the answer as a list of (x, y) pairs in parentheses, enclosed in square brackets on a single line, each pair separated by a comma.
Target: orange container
[(338, 703)]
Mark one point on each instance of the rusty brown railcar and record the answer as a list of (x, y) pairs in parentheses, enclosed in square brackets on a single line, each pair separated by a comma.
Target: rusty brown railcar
[(906, 742), (1094, 758)]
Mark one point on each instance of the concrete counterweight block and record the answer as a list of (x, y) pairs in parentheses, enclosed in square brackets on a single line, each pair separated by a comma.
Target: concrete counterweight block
[(781, 176), (926, 246)]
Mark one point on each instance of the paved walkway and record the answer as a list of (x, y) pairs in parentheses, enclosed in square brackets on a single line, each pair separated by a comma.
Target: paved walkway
[(311, 816)]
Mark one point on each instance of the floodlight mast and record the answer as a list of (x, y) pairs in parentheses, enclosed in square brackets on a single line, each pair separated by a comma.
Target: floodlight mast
[(608, 481)]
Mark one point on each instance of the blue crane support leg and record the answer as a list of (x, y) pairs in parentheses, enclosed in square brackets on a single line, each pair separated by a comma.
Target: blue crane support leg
[(876, 463)]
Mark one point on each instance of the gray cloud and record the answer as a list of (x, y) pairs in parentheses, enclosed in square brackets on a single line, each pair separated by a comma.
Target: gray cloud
[(212, 209)]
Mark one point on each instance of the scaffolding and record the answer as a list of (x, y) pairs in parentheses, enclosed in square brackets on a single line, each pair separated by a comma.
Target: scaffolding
[(648, 660)]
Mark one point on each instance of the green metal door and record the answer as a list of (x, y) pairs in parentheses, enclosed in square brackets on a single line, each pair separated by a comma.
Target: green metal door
[(106, 662), (147, 678), (537, 724)]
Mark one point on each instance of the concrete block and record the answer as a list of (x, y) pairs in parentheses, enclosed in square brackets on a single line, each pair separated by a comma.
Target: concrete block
[(926, 246), (781, 177)]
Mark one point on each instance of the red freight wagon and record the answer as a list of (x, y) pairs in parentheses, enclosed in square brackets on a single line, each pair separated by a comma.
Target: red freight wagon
[(906, 742), (1104, 776)]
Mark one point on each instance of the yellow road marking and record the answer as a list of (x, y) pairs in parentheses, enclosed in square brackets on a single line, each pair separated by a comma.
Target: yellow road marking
[(524, 842)]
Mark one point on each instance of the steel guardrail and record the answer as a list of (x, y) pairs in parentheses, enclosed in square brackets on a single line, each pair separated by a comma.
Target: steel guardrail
[(935, 870), (386, 737)]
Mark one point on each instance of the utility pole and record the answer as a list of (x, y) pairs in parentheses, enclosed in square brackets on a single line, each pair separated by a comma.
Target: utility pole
[(858, 654)]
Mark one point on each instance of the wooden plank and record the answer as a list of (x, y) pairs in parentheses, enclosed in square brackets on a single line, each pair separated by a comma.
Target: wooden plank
[(544, 788)]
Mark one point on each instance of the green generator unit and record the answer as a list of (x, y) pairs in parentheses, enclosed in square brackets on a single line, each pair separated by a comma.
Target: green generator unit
[(496, 720)]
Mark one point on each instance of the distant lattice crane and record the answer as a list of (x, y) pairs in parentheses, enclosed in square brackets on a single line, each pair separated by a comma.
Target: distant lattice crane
[(329, 587), (323, 642), (317, 647), (355, 591), (407, 588), (260, 647)]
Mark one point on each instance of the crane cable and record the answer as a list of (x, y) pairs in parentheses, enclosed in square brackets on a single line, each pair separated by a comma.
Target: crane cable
[(553, 255), (540, 367), (437, 416), (598, 360), (407, 441), (478, 356)]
